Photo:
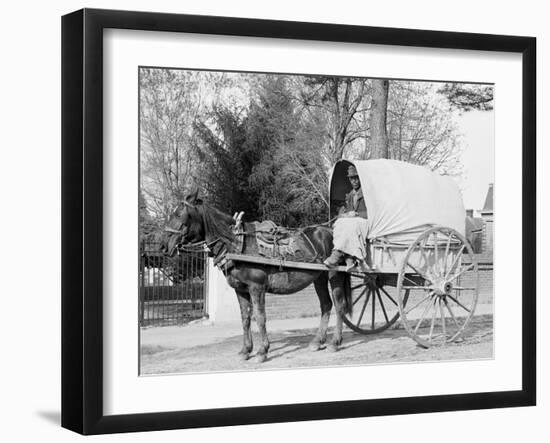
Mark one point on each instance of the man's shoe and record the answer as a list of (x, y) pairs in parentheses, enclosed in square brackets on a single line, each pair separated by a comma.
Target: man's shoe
[(350, 263), (334, 258)]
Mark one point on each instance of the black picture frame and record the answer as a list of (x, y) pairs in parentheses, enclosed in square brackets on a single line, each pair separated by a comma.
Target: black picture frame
[(82, 218)]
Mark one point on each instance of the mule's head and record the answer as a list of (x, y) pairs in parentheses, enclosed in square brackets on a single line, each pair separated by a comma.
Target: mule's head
[(184, 226)]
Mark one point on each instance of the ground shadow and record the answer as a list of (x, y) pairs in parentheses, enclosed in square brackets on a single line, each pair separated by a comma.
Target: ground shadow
[(290, 349)]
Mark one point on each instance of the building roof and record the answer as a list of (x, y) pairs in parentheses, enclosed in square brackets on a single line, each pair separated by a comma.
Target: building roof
[(488, 206)]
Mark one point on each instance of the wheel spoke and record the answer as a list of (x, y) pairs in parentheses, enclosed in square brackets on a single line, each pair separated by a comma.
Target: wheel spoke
[(466, 269), (436, 253), (458, 303), (433, 321), (419, 303), (360, 295), (424, 256), (446, 254), (363, 310), (442, 321), (410, 281), (356, 274), (389, 296), (461, 288), (373, 307), (406, 297), (418, 288), (382, 306), (426, 309), (358, 286), (451, 312), (458, 255), (418, 272)]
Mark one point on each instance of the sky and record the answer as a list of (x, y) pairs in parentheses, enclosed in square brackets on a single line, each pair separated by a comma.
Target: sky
[(478, 156), (476, 127)]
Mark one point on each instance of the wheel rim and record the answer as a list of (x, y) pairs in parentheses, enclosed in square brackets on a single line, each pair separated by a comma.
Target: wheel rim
[(375, 308), (439, 283)]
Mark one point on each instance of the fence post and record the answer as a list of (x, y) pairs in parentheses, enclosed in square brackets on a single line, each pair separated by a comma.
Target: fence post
[(206, 286), (142, 283), (222, 301)]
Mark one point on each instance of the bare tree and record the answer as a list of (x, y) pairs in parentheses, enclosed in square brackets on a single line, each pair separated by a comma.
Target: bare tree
[(172, 101), (377, 119), (169, 102), (421, 128), (336, 101)]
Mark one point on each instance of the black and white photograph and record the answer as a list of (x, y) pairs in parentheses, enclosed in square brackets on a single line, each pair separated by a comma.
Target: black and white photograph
[(294, 221)]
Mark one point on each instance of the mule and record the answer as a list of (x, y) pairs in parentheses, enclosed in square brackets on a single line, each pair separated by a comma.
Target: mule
[(194, 221)]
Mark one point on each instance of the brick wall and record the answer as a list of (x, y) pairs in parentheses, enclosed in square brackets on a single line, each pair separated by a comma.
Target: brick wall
[(488, 233), (485, 267), (306, 304), (301, 304)]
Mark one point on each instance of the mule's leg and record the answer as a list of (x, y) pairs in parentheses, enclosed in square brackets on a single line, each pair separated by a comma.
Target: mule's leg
[(321, 287), (257, 294), (246, 314), (337, 283)]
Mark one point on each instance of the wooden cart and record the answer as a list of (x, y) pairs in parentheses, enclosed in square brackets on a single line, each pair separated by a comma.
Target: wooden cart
[(418, 266)]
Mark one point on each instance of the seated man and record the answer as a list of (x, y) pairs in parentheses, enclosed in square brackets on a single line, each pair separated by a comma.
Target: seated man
[(350, 229)]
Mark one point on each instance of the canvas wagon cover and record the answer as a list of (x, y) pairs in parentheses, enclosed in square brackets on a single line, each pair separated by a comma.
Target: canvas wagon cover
[(402, 199)]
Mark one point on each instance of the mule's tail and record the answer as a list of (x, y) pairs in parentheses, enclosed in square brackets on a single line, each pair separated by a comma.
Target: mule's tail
[(340, 283), (347, 302)]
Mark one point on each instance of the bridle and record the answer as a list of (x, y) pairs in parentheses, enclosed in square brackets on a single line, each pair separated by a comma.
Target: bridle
[(189, 247), (178, 231)]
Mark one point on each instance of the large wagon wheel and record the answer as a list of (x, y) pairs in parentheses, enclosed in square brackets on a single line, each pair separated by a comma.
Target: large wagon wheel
[(442, 296), (375, 307)]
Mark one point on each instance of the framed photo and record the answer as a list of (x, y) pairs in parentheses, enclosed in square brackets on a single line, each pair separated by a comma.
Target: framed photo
[(228, 183)]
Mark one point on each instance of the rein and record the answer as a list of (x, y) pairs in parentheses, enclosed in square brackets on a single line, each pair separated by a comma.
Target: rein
[(172, 230), (193, 247)]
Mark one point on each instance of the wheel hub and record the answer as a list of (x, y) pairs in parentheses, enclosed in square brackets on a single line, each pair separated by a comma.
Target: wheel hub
[(373, 283), (442, 287)]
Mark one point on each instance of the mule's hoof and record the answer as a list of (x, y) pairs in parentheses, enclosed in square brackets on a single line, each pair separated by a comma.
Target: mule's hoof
[(332, 347), (244, 356), (314, 346), (260, 358)]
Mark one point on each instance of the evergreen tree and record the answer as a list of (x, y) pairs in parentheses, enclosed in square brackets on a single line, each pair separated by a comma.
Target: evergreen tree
[(468, 97), (226, 162)]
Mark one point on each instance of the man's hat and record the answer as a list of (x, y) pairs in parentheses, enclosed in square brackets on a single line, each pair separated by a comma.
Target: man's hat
[(352, 172)]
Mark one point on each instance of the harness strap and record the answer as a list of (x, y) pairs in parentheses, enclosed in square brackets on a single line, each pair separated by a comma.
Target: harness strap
[(312, 245), (172, 230)]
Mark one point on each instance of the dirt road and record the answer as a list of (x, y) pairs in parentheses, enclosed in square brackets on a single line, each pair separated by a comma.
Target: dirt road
[(204, 348)]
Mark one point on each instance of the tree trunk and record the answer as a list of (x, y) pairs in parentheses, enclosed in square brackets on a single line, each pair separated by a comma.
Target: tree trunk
[(378, 112)]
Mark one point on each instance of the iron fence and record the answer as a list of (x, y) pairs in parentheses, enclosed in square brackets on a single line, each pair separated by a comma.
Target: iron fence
[(172, 290)]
